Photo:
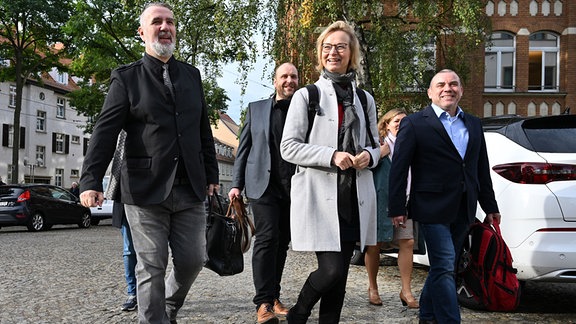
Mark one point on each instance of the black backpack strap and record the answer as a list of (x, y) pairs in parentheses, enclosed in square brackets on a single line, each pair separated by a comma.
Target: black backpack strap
[(313, 106), (364, 101), (314, 109)]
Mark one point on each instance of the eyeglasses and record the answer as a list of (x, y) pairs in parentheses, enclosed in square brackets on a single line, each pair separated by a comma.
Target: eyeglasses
[(340, 47)]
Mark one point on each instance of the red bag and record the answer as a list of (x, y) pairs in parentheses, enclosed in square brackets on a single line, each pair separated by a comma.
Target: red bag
[(486, 279)]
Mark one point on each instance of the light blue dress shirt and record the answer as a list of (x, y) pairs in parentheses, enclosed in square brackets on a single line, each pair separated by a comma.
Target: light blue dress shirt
[(455, 128)]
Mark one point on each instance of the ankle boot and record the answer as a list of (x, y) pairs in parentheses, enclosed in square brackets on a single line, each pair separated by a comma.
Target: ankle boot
[(307, 298), (331, 307)]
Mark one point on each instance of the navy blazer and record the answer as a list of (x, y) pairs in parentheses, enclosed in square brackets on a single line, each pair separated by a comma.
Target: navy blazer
[(439, 175), (161, 132), (252, 166)]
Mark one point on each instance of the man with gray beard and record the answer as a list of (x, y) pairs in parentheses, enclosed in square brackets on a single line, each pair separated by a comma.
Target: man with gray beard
[(168, 168)]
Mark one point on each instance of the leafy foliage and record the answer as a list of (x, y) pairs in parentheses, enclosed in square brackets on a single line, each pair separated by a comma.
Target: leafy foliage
[(103, 35), (100, 36), (29, 32), (404, 42), (215, 98)]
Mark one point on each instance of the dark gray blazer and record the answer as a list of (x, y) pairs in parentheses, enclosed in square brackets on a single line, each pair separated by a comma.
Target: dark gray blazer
[(253, 161)]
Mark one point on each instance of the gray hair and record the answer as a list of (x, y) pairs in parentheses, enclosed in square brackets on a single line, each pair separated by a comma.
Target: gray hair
[(154, 4)]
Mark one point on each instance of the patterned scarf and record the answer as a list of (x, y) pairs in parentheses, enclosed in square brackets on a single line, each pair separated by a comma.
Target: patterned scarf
[(349, 132)]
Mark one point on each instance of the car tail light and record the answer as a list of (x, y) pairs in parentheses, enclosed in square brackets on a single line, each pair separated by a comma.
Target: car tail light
[(23, 196), (536, 173)]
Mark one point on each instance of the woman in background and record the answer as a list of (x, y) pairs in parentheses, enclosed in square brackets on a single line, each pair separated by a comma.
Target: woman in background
[(402, 236)]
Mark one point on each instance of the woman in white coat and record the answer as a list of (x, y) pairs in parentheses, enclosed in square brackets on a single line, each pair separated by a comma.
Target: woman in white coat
[(333, 196)]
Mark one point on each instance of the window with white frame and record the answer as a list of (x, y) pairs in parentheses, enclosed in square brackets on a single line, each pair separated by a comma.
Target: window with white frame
[(75, 139), (499, 62), (58, 177), (40, 121), (12, 97), (10, 135), (59, 143), (74, 173), (543, 62), (63, 78), (60, 107), (40, 155)]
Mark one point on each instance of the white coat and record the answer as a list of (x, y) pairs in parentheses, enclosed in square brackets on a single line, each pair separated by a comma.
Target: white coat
[(314, 209)]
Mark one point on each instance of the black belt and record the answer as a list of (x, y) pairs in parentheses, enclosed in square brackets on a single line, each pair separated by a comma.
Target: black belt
[(181, 181)]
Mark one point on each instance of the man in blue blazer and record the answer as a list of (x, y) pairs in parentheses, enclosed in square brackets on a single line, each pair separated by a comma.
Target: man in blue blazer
[(444, 150), (265, 176)]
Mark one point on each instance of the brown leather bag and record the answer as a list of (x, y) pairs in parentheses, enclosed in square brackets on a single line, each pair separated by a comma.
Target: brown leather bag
[(237, 211)]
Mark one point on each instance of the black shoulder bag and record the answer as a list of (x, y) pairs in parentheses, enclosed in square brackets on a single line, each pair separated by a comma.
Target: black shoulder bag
[(223, 240)]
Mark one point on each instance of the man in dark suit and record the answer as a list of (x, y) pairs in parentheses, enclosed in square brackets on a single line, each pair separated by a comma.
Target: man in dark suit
[(169, 164), (265, 176), (445, 151)]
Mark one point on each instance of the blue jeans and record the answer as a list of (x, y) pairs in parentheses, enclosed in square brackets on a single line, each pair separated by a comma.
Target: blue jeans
[(129, 256), (176, 223), (438, 300)]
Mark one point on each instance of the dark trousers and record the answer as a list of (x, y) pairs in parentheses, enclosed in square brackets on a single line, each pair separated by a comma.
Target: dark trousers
[(272, 222), (327, 284), (330, 280)]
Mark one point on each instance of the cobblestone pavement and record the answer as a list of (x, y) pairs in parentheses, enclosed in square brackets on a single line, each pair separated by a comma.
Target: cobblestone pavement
[(72, 275)]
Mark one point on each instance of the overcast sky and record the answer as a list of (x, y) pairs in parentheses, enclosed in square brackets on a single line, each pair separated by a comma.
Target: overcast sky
[(259, 87)]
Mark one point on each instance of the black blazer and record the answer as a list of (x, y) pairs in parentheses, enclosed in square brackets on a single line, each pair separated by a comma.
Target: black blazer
[(439, 175), (161, 132)]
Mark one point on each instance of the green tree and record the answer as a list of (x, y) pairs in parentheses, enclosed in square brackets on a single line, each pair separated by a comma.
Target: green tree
[(403, 42), (103, 35), (215, 99), (29, 31), (100, 36)]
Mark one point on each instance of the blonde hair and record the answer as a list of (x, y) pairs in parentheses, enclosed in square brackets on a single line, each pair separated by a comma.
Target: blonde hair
[(354, 45), (387, 118)]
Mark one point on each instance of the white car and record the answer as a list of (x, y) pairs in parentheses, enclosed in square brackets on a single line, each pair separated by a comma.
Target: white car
[(533, 170), (104, 211)]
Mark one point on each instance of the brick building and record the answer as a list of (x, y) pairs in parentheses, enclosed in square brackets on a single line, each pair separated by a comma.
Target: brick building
[(526, 68), (527, 64)]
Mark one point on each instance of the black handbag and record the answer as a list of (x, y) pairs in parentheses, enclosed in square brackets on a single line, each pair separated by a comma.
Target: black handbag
[(223, 240)]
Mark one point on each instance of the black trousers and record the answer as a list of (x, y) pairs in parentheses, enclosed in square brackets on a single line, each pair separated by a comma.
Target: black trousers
[(272, 222), (330, 281)]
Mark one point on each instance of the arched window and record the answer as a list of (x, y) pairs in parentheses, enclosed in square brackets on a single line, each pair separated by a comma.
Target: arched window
[(543, 64), (499, 62), (512, 108), (487, 109)]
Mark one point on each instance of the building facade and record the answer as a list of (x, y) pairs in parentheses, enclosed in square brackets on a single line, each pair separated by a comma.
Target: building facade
[(527, 62), (52, 140), (226, 139)]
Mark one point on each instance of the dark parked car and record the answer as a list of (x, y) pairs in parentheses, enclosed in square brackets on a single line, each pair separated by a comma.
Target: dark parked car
[(39, 206)]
